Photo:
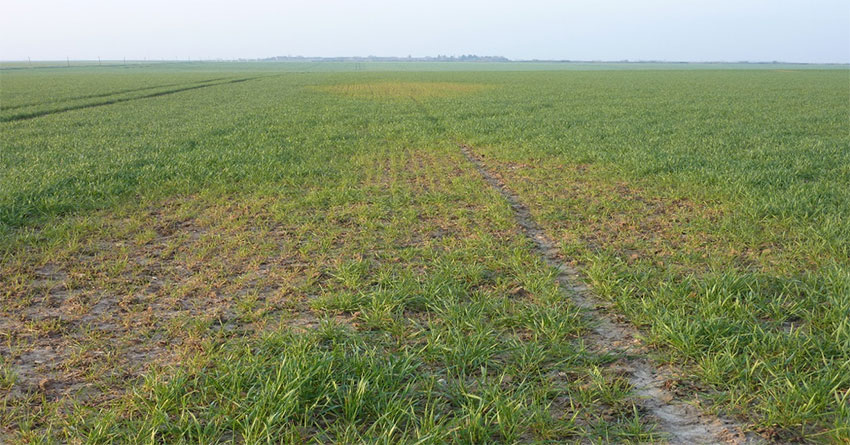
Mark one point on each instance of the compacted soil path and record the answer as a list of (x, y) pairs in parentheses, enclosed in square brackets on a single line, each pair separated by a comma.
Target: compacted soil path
[(681, 421)]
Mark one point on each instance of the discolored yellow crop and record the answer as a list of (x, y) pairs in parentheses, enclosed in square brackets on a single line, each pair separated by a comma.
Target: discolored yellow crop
[(404, 90)]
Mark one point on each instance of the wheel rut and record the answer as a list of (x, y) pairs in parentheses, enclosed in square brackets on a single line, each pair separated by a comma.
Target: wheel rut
[(40, 113), (680, 421)]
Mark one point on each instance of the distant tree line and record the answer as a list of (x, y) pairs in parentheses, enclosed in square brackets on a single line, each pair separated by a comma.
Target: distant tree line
[(438, 58)]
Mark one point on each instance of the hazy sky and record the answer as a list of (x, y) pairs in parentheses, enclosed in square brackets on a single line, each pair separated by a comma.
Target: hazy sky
[(696, 30)]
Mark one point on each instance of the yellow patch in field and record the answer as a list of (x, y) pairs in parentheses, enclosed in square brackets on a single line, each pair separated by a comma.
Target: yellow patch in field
[(403, 90)]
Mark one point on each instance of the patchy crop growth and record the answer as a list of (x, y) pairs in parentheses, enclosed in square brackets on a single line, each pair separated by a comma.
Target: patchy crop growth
[(224, 253), (403, 90)]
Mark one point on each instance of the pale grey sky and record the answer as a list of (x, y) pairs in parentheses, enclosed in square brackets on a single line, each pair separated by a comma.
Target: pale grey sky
[(683, 30)]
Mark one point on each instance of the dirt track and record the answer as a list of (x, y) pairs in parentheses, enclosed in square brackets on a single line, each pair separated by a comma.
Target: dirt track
[(679, 419)]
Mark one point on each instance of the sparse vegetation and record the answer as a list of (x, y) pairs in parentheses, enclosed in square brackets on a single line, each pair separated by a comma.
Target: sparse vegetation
[(205, 254)]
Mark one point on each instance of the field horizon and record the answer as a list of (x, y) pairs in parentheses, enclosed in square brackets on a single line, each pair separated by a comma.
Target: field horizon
[(357, 63)]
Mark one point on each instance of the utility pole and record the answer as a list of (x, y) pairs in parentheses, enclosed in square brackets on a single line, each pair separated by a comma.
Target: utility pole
[(29, 61), (68, 59), (98, 61)]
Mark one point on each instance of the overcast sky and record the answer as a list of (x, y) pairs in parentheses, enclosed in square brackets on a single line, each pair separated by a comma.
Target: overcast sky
[(682, 30)]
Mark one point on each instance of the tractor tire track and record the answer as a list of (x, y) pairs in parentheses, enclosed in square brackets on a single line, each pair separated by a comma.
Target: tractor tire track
[(100, 95), (35, 114), (680, 421)]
